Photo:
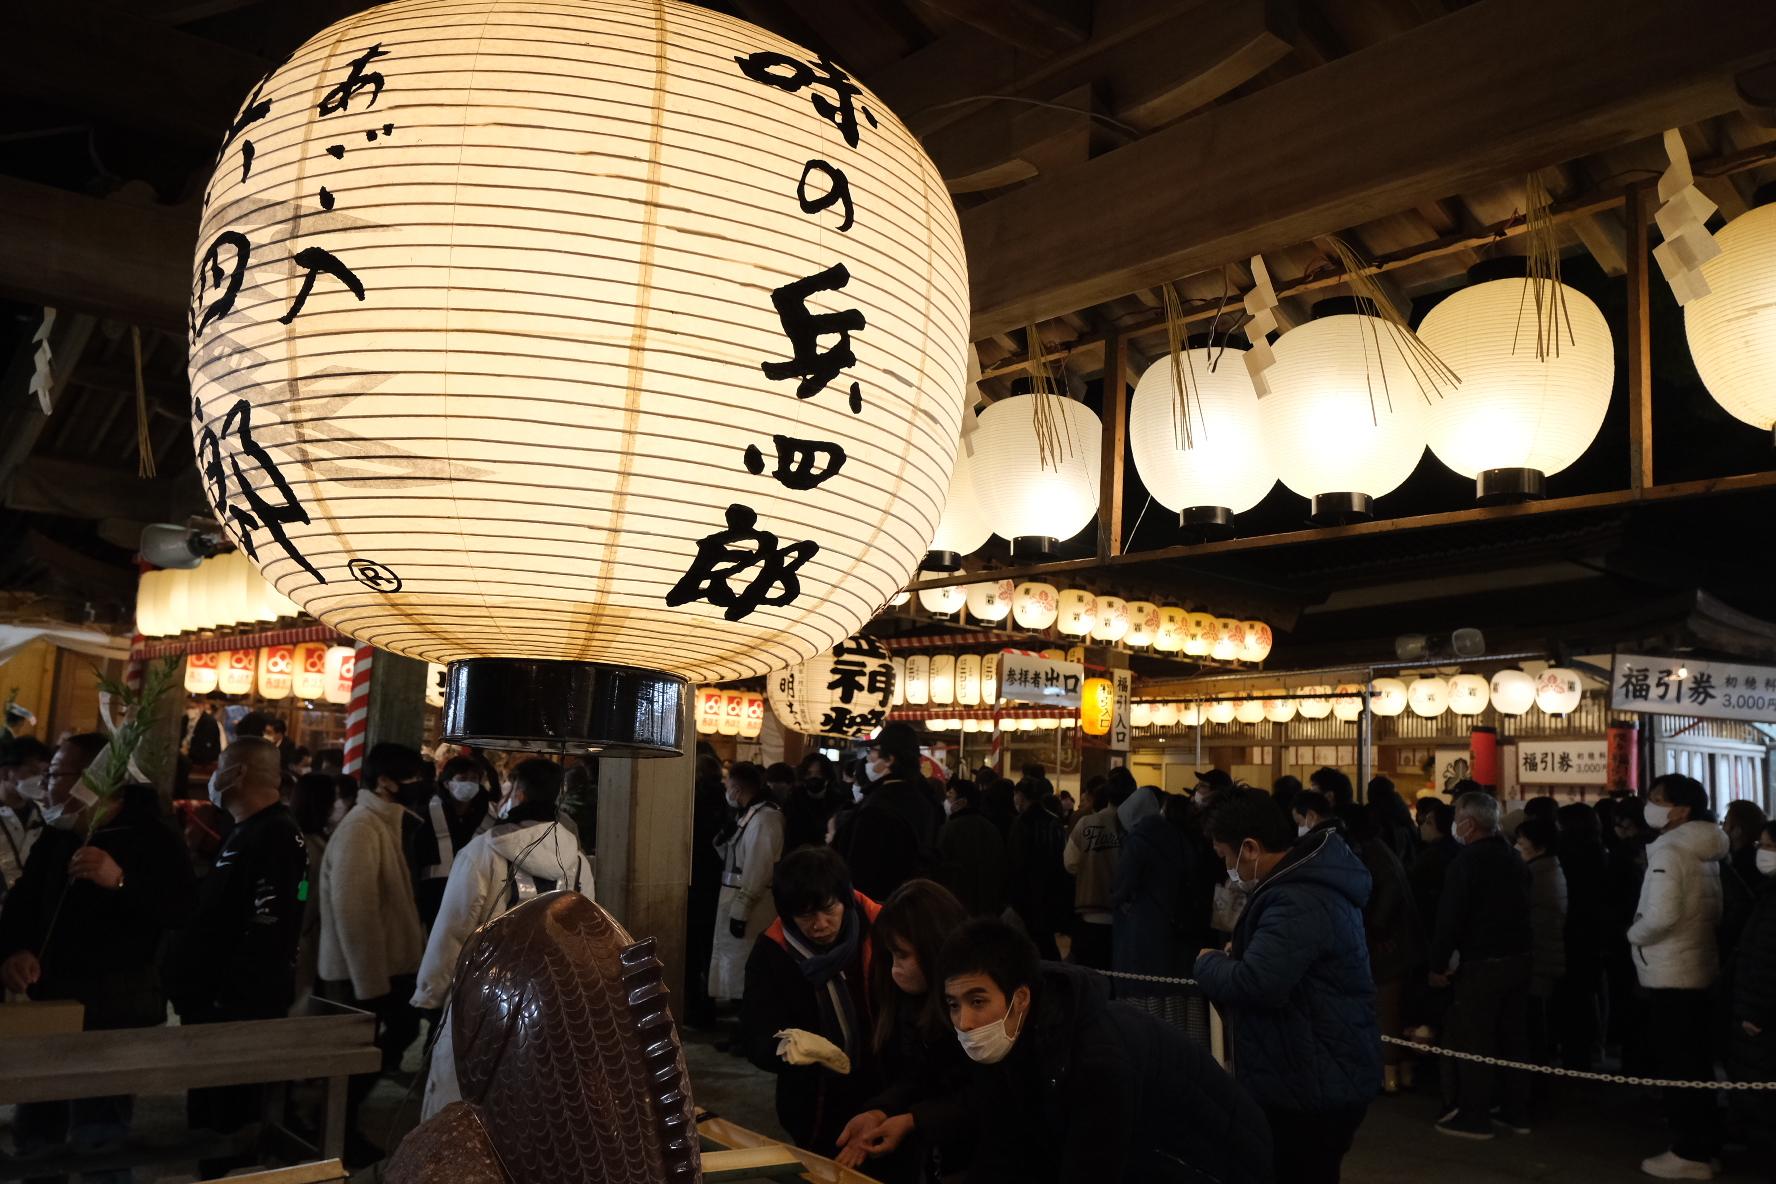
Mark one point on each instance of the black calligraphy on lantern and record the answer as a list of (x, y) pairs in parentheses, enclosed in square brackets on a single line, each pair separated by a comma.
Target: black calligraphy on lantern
[(211, 277), (219, 455), (801, 464), (794, 75), (256, 109), (743, 550), (317, 260), (813, 365), (341, 96), (837, 192)]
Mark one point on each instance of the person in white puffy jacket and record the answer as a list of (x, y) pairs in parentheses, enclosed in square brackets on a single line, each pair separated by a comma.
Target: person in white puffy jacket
[(528, 853), (750, 849), (1677, 960)]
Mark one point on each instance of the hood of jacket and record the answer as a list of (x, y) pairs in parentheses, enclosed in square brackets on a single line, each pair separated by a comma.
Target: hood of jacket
[(1064, 993), (1322, 859), (1704, 842), (546, 850)]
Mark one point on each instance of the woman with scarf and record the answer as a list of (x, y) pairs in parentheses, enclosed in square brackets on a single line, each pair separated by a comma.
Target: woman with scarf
[(807, 1014)]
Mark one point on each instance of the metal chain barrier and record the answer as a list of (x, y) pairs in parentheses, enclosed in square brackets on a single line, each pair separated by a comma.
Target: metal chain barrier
[(1550, 1070)]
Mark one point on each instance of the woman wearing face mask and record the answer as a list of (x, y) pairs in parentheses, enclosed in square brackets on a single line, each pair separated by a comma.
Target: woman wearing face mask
[(1070, 1088), (892, 835), (1752, 1049), (749, 853), (457, 809)]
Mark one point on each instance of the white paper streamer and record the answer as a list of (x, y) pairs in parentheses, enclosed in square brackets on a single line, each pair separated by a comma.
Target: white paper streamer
[(1261, 304), (42, 378), (1680, 217)]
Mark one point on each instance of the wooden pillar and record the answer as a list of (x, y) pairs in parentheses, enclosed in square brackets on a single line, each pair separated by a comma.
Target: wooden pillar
[(1637, 213), (1115, 442), (397, 701)]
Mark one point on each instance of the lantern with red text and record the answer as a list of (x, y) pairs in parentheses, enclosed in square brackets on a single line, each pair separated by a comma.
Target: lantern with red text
[(310, 680), (341, 663), (200, 672), (708, 711)]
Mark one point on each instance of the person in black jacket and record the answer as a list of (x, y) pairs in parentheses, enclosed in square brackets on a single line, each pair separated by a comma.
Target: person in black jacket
[(111, 877), (1394, 933), (709, 815), (892, 836), (1070, 1088), (447, 814), (1483, 918), (812, 801), (1038, 887), (1578, 995), (971, 852), (1752, 1051)]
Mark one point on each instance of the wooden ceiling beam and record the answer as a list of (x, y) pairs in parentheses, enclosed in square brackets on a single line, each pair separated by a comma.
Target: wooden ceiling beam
[(77, 489), (1042, 25), (1457, 102)]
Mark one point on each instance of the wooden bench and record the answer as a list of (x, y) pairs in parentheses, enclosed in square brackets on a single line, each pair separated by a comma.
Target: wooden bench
[(734, 1153)]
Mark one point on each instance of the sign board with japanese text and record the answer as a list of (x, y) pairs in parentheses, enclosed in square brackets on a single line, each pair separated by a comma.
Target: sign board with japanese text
[(1046, 682), (1704, 688), (1119, 727), (1562, 762)]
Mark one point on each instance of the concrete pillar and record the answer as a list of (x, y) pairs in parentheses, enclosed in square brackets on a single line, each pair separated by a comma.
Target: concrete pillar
[(397, 701)]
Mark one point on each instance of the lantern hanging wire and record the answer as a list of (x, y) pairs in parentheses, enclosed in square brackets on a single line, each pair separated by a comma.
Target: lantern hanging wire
[(1544, 287), (1427, 371), (1185, 383), (1054, 435)]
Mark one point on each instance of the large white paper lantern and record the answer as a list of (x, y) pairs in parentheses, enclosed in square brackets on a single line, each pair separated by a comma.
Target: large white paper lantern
[(1468, 694), (1348, 702), (943, 679), (1255, 641), (1279, 710), (1027, 500), (1344, 414), (1559, 690), (1513, 692), (1387, 697), (1078, 613), (1035, 605), (1225, 465), (1140, 715), (1318, 704), (944, 602), (1249, 711), (844, 692), (531, 331), (1169, 638), (1513, 410), (918, 680), (990, 601), (1199, 634), (963, 529), (1165, 715), (1190, 714), (1732, 330), (1113, 620), (968, 680), (1143, 624), (1220, 711), (1428, 697), (1229, 636)]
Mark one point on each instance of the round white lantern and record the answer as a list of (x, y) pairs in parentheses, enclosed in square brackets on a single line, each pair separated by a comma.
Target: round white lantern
[(1143, 624), (1165, 715), (943, 602), (943, 679), (1228, 637), (1732, 330), (899, 695), (1344, 414), (1511, 409), (1190, 714), (1249, 711), (1513, 692), (341, 664), (1221, 711), (1035, 606), (200, 669), (1278, 710), (1428, 697), (1347, 705), (1113, 620), (234, 671), (1140, 715), (976, 725), (1318, 705), (1048, 723), (1008, 724), (990, 680), (963, 529), (1199, 634), (1388, 696), (1078, 613), (1024, 497), (1225, 466), (990, 601), (706, 710), (311, 670), (1559, 690), (968, 680), (1468, 694), (607, 332), (1170, 636), (918, 680), (1026, 724), (277, 671), (844, 692), (899, 598), (1255, 641)]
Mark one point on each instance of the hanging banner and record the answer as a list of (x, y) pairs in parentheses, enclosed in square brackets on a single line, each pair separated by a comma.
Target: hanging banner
[(1119, 728), (1703, 688), (1562, 762), (1031, 678)]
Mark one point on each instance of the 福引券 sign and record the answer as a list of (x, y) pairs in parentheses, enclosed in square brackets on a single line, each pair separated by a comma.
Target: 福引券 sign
[(1704, 688), (1562, 762), (1046, 682)]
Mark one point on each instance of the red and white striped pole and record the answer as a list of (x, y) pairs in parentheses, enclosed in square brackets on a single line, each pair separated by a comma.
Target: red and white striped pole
[(357, 715)]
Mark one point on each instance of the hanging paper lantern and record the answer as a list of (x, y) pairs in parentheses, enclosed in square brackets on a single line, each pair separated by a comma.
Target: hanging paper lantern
[(752, 722), (918, 680), (311, 671), (1428, 697), (1732, 330), (847, 690), (943, 679), (1169, 638), (899, 695), (1189, 714), (277, 671), (341, 663), (437, 677), (1513, 410), (200, 671), (1318, 706), (1140, 715), (975, 725), (151, 594), (1008, 725), (234, 672), (943, 602), (1113, 620), (1387, 696), (708, 710), (1078, 613), (1097, 706), (1224, 465), (1165, 715), (1255, 641), (963, 529), (1249, 711), (1348, 703), (1030, 500), (968, 680), (1143, 624), (899, 598), (733, 713), (1278, 710), (936, 725), (1468, 694), (990, 601), (1513, 692), (1221, 711), (1199, 634), (1229, 636), (1559, 690), (1344, 414), (1048, 723), (1035, 606), (990, 679), (669, 306)]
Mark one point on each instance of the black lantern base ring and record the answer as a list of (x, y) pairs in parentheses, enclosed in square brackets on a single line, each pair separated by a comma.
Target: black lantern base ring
[(537, 705), (944, 561), (1207, 522), (1499, 487), (1339, 509), (1032, 546)]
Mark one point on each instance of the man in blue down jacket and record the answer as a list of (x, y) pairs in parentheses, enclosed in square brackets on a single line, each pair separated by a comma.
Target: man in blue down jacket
[(1295, 987)]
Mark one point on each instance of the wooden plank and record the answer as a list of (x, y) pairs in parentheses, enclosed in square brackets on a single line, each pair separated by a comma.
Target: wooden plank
[(1457, 102), (1042, 25), (325, 1172), (816, 1168), (752, 1163), (44, 1083), (1640, 345), (76, 489), (1110, 474)]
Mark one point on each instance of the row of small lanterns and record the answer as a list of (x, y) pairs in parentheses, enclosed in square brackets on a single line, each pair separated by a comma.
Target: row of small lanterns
[(309, 670), (1557, 691), (722, 712), (221, 591), (1005, 724)]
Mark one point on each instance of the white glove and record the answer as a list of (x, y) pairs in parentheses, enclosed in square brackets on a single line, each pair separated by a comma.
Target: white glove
[(800, 1047)]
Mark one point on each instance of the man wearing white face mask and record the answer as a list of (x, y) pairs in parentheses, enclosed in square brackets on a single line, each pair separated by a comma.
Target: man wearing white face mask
[(458, 809), (1071, 1088)]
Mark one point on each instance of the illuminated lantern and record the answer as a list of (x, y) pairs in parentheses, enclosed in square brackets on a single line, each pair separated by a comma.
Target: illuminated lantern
[(1513, 692), (943, 679), (976, 725), (537, 281), (1078, 613), (234, 672), (1468, 694), (1028, 499), (1165, 715), (1732, 330), (752, 722), (968, 680), (1387, 696), (437, 677), (1059, 655), (1199, 634), (1097, 706), (1229, 636), (963, 528), (1278, 710), (200, 671), (1344, 418), (1169, 638), (1143, 624), (1008, 725), (151, 596), (899, 695), (341, 662), (1048, 723), (1026, 724), (1140, 715), (311, 671), (936, 725), (1428, 697), (1255, 641), (733, 713), (1221, 467), (989, 601), (1515, 418), (277, 671), (1348, 705), (1558, 691), (1113, 620), (990, 679), (1190, 714), (206, 601), (846, 691), (1035, 605), (943, 602), (918, 680), (1249, 711), (708, 710), (1318, 705), (1221, 711), (899, 598)]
